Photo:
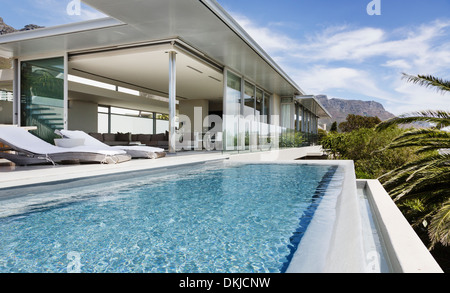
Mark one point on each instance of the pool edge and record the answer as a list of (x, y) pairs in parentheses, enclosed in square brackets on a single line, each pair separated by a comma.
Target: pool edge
[(405, 250)]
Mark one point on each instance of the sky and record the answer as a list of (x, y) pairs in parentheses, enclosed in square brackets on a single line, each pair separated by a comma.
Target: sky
[(330, 47)]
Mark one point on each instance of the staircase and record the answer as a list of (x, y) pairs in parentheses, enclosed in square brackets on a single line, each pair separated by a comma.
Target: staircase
[(47, 119)]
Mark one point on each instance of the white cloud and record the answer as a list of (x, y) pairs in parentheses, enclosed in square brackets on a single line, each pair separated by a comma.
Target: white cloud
[(269, 39), (346, 44), (367, 61), (321, 79), (413, 98)]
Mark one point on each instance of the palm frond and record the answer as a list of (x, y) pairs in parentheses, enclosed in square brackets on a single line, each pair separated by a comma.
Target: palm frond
[(426, 144), (429, 81), (440, 118), (424, 133), (425, 180), (439, 230)]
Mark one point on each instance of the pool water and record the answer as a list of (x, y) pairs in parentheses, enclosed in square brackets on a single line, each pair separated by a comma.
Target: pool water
[(212, 218)]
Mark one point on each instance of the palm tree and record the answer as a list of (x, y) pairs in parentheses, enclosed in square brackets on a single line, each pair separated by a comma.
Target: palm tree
[(422, 187)]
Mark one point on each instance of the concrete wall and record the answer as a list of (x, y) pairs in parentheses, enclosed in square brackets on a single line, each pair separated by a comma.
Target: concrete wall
[(196, 116), (405, 250), (6, 112), (83, 116)]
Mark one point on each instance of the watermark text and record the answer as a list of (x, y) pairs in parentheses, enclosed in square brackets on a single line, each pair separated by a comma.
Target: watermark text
[(374, 7)]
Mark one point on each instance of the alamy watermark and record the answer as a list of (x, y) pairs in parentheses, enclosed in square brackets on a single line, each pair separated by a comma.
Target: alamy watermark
[(74, 266), (374, 7), (74, 7)]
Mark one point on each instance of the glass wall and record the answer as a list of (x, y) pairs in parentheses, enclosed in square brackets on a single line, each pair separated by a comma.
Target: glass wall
[(42, 96), (247, 116), (288, 136), (233, 97), (114, 119), (248, 120), (264, 135)]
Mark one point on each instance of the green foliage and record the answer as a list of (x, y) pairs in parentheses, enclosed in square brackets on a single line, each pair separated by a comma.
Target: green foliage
[(321, 134), (366, 147), (291, 139), (334, 127), (355, 122)]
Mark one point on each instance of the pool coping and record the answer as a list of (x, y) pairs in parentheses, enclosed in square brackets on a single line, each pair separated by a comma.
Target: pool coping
[(405, 250)]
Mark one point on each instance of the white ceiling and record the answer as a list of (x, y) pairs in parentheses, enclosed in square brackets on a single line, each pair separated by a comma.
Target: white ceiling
[(147, 69)]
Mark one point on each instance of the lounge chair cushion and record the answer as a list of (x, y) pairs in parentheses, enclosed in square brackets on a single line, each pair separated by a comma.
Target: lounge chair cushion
[(22, 139)]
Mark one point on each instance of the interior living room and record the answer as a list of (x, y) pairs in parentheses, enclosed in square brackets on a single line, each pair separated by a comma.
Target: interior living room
[(125, 91)]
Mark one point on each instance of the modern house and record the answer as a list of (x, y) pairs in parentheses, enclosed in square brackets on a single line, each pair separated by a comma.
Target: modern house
[(180, 67)]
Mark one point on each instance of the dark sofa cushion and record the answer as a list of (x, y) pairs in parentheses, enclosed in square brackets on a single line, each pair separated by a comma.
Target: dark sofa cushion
[(158, 137), (109, 137), (96, 135), (123, 136), (144, 137)]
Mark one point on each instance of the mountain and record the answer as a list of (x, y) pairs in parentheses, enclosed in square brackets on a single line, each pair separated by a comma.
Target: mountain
[(340, 108), (6, 29)]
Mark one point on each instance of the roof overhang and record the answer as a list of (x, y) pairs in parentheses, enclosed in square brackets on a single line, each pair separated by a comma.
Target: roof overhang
[(311, 103), (202, 24)]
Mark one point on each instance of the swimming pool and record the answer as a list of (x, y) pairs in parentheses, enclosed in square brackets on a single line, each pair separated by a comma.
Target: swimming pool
[(215, 217)]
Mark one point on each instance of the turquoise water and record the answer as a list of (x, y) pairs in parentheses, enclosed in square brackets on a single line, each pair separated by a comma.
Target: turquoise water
[(216, 218)]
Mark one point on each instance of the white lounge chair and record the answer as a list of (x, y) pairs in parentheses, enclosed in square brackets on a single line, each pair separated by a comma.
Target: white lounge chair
[(31, 150), (135, 152)]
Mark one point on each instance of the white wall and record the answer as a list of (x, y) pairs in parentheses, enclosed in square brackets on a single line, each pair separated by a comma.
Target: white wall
[(6, 112), (187, 107), (83, 116)]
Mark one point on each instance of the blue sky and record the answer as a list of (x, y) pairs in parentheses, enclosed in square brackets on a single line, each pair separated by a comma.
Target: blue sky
[(330, 47)]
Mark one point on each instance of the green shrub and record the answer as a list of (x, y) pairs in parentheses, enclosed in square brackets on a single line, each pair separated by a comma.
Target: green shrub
[(367, 148)]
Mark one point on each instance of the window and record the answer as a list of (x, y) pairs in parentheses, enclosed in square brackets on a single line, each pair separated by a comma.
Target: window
[(233, 96), (42, 96)]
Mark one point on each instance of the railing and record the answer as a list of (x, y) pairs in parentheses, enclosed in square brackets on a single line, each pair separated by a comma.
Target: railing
[(6, 96)]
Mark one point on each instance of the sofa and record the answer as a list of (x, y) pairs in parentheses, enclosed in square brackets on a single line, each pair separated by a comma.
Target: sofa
[(160, 140)]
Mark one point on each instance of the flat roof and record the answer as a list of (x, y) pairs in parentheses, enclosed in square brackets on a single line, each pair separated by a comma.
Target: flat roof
[(202, 24), (313, 105)]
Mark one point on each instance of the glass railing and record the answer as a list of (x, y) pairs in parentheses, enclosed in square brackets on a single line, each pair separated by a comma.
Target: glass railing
[(6, 96)]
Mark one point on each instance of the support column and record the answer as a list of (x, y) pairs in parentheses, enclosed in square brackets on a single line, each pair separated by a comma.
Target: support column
[(172, 100), (66, 91), (303, 120), (16, 92), (224, 110)]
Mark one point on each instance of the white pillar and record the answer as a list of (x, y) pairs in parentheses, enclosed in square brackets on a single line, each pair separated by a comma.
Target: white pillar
[(172, 100), (16, 93), (66, 91)]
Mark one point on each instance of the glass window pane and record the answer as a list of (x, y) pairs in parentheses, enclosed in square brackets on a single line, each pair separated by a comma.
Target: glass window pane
[(135, 125), (102, 109), (249, 99), (233, 96), (102, 123), (42, 96)]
